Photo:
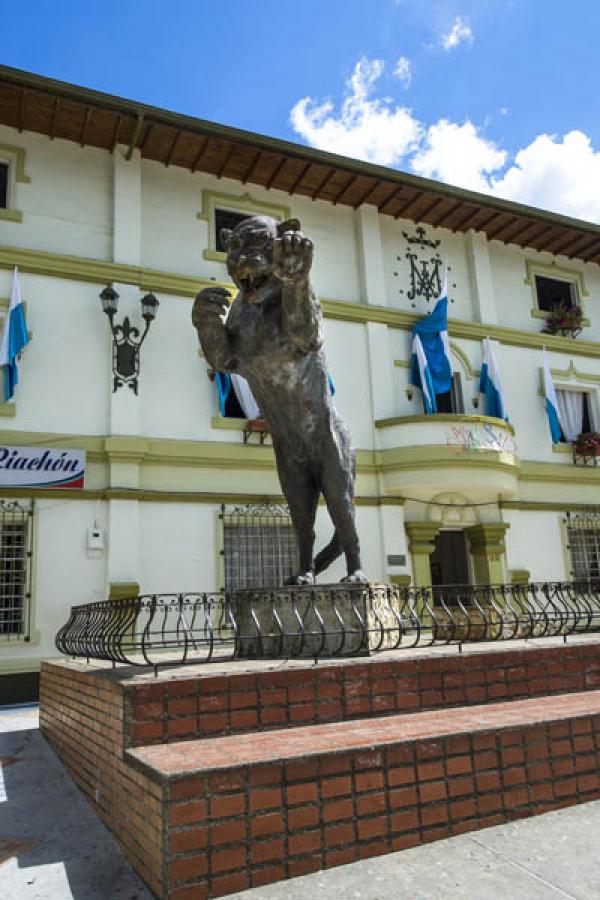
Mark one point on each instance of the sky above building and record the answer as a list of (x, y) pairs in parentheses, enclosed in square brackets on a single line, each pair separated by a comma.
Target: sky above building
[(499, 96)]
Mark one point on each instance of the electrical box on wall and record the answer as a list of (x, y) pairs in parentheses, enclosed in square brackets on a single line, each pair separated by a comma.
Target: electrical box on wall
[(95, 539)]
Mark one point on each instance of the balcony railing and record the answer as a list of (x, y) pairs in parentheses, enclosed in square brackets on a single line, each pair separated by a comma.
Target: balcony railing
[(327, 622)]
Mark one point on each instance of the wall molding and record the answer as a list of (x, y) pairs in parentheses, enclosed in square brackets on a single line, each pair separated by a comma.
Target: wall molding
[(100, 272)]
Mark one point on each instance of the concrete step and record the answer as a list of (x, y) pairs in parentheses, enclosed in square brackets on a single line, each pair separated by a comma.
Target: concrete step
[(241, 811)]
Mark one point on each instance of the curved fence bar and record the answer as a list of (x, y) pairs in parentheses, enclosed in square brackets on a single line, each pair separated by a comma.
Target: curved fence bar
[(323, 621)]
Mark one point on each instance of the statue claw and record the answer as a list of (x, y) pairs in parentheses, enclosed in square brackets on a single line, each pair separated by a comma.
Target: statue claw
[(357, 577), (301, 578)]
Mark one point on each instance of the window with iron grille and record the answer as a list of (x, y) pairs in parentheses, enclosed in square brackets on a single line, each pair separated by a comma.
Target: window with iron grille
[(583, 537), (15, 568), (259, 546)]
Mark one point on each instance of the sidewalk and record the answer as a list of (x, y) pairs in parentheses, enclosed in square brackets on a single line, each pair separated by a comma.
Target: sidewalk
[(53, 847)]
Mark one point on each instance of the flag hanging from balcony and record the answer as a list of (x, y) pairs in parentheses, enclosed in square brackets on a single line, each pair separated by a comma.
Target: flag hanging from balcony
[(14, 338), (431, 368), (551, 404), (490, 383)]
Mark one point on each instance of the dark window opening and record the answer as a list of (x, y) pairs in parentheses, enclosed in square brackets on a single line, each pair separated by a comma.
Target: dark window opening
[(552, 292), (3, 185), (15, 568), (233, 410), (224, 218), (451, 401)]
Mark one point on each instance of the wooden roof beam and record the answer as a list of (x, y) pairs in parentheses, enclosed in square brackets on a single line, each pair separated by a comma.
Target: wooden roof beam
[(115, 137), (251, 170), (439, 220), (226, 160), (429, 209), (594, 246), (545, 238), (557, 242), (514, 236), (199, 154), (172, 149), (21, 110), (297, 180), (494, 233), (341, 193), (405, 208), (137, 132), (366, 195), (462, 223), (276, 171), (577, 247), (321, 186), (390, 199), (86, 124), (54, 118)]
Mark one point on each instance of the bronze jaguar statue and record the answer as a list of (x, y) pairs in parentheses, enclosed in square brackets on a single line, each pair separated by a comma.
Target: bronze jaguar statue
[(272, 335)]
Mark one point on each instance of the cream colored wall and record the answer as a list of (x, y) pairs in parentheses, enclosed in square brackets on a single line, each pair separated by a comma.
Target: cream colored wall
[(453, 253), (67, 206), (66, 382)]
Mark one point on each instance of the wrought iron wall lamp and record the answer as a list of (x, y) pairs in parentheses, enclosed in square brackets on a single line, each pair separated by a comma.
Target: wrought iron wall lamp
[(126, 338)]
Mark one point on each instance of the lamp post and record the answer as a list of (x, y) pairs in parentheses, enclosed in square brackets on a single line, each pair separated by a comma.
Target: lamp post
[(126, 338)]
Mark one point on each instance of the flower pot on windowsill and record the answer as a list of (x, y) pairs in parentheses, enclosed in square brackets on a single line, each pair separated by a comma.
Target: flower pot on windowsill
[(586, 449), (564, 320)]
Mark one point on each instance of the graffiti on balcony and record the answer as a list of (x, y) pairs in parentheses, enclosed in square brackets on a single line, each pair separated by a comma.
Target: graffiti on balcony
[(461, 438)]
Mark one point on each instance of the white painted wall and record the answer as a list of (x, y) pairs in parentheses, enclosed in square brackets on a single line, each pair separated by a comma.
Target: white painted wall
[(66, 383)]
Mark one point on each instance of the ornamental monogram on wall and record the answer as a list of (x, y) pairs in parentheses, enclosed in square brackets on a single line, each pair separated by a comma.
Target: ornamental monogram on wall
[(426, 268)]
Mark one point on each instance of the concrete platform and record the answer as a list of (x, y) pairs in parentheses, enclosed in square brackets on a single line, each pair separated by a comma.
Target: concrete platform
[(53, 847)]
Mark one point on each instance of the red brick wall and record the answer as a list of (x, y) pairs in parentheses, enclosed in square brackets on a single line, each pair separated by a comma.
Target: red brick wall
[(188, 708), (253, 825), (81, 716)]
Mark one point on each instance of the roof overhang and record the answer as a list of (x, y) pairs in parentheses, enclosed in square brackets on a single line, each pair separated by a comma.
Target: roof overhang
[(31, 102)]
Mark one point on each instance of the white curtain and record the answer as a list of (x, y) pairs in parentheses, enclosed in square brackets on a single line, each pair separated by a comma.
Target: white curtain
[(570, 412), (245, 397)]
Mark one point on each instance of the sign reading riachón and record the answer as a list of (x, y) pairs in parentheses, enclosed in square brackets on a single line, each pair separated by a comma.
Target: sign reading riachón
[(41, 467)]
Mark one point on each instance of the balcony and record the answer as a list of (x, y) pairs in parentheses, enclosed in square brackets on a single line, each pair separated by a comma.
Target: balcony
[(420, 456)]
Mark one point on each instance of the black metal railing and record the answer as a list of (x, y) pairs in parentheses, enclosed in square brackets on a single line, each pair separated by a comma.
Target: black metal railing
[(323, 622)]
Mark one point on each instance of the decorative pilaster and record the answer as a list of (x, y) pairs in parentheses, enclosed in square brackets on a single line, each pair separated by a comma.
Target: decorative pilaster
[(487, 549), (478, 256), (421, 544)]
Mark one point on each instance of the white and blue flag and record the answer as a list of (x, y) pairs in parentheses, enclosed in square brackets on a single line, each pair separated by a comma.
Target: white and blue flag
[(552, 410), (14, 338), (431, 367), (490, 383)]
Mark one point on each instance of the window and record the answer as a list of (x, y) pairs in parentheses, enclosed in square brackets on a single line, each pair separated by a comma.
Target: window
[(575, 409), (259, 546), (552, 292), (225, 218), (15, 568), (3, 185), (451, 401), (583, 539)]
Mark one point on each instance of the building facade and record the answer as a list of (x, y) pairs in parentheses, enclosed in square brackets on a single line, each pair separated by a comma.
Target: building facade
[(97, 191)]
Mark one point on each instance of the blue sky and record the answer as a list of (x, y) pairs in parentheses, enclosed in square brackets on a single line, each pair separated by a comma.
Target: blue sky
[(495, 95)]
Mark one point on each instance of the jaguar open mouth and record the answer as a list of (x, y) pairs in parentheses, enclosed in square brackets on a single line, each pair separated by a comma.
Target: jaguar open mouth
[(250, 284)]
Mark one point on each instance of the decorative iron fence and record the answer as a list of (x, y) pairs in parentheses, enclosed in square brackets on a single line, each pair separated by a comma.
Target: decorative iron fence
[(323, 622)]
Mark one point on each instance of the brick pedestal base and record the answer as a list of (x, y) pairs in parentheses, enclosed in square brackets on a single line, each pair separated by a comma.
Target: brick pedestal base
[(221, 810)]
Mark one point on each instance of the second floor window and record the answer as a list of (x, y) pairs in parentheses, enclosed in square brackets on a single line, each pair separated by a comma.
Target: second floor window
[(226, 218), (553, 292), (3, 185)]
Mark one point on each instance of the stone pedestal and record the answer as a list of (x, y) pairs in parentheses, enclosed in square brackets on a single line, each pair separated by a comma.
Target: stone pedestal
[(318, 620)]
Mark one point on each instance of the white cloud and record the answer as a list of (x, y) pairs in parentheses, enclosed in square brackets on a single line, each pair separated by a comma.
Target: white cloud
[(557, 173), (563, 175), (460, 33), (459, 155), (366, 127), (403, 71)]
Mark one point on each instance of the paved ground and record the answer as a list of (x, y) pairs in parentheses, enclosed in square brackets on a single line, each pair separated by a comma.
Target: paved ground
[(52, 847)]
